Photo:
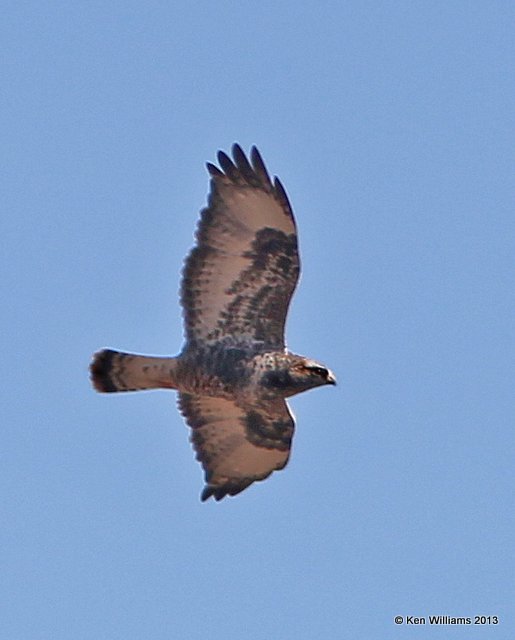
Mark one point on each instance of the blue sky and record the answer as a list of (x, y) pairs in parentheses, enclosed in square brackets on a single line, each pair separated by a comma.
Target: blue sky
[(391, 125)]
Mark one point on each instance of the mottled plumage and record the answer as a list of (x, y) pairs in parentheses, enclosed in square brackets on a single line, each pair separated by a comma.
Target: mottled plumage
[(234, 371)]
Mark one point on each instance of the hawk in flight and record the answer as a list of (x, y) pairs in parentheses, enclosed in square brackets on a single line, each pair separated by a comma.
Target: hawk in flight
[(234, 371)]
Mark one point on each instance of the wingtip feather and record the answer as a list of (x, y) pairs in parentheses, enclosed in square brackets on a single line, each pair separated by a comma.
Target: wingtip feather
[(225, 163), (214, 171), (259, 165)]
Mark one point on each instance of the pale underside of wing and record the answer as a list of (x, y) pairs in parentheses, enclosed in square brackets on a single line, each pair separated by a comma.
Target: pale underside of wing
[(237, 445), (239, 279)]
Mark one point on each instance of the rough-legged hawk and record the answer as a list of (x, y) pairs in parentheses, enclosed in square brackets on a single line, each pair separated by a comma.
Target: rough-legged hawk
[(234, 371)]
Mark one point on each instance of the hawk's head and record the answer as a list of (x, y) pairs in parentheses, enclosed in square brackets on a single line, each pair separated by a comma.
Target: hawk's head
[(293, 374)]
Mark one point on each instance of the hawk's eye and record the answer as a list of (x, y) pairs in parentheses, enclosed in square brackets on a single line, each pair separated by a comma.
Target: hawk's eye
[(319, 371)]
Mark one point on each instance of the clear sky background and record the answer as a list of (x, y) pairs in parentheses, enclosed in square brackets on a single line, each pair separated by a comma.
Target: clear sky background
[(391, 125)]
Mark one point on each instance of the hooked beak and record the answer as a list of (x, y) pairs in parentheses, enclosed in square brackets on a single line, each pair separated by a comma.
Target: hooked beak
[(331, 379)]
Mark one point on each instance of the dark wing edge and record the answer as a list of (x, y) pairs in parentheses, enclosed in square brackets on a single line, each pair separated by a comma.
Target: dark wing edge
[(254, 174), (237, 445)]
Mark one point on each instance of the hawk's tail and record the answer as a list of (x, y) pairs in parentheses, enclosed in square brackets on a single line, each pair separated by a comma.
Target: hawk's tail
[(116, 371)]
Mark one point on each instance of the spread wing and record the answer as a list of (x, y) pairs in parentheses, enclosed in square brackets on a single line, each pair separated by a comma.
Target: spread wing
[(240, 277), (237, 445)]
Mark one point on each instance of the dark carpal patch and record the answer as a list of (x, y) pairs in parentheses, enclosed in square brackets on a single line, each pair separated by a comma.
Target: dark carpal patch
[(275, 250), (262, 292), (268, 433)]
